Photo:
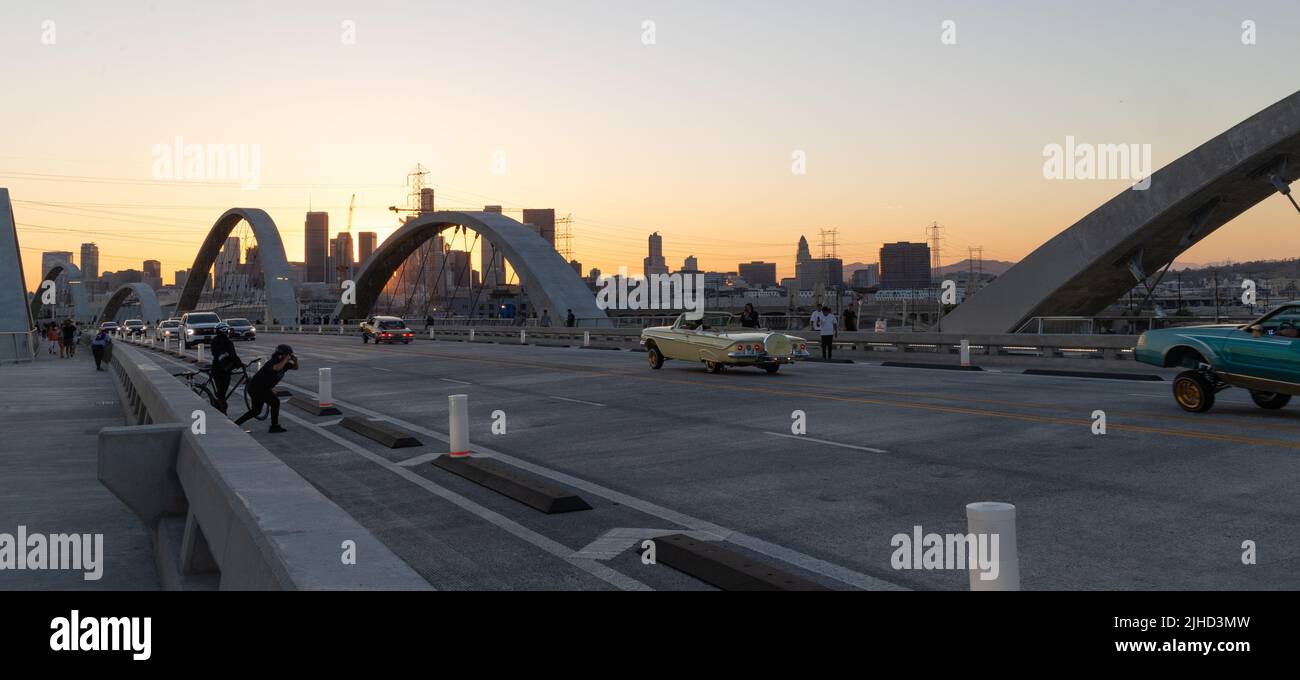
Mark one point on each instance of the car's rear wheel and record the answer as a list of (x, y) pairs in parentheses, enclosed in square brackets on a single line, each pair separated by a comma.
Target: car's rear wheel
[(1270, 400), (772, 368), (713, 366), (1194, 392), (655, 357)]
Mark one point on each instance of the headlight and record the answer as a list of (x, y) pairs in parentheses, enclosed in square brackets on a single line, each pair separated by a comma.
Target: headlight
[(189, 331), (252, 329)]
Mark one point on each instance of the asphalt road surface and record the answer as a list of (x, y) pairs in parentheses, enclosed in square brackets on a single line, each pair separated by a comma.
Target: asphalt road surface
[(1163, 500)]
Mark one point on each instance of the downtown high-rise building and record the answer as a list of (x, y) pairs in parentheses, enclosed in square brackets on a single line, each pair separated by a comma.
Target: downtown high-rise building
[(89, 262), (181, 277), (542, 220), (654, 262), (811, 272), (905, 265), (758, 274), (492, 263), (367, 241), (316, 249), (341, 262), (153, 274)]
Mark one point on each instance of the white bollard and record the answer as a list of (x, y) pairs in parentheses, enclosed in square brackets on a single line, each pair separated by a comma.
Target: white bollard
[(458, 424), (989, 519), (198, 352), (325, 391), (471, 335), (340, 329), (320, 330), (430, 333), (523, 338), (965, 352), (586, 338)]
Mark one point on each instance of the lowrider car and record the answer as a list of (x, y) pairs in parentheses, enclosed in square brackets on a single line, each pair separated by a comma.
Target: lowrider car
[(1262, 356), (718, 340)]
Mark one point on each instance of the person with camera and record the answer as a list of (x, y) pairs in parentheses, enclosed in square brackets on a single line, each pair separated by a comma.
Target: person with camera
[(261, 388)]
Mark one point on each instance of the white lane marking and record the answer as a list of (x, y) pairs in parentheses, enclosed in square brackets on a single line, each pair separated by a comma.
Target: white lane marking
[(420, 459), (758, 545), (336, 421), (458, 382), (577, 401), (386, 370), (828, 443), (600, 571), (612, 543)]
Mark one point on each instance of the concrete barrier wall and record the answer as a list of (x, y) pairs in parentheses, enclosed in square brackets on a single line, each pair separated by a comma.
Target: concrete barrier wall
[(224, 511)]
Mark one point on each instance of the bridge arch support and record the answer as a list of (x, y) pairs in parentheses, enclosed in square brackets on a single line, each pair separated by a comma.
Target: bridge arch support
[(281, 300), (1099, 259), (150, 310), (76, 286), (548, 280)]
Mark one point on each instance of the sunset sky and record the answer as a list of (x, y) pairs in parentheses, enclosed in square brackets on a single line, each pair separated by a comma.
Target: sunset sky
[(691, 136)]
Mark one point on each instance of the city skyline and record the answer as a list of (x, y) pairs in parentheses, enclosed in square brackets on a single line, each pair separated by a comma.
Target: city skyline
[(634, 138)]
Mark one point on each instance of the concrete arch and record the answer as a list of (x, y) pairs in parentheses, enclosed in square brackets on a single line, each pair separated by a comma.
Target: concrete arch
[(150, 310), (281, 300), (76, 285), (1087, 267), (548, 280)]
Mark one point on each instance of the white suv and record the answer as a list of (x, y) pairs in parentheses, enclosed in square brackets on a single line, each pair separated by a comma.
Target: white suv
[(199, 327)]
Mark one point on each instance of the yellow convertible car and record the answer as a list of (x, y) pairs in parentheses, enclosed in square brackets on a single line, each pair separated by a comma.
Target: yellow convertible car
[(718, 340)]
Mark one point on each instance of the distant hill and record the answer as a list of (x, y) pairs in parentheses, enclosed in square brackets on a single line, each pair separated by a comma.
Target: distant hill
[(995, 267)]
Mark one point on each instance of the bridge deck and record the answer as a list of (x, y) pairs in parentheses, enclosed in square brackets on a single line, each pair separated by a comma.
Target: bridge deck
[(1164, 500), (51, 411)]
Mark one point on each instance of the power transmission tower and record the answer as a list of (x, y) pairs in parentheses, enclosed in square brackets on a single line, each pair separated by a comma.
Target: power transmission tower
[(975, 268), (564, 236), (935, 241), (830, 243)]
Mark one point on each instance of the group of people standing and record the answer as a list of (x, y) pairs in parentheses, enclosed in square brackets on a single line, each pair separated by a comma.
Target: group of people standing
[(62, 338)]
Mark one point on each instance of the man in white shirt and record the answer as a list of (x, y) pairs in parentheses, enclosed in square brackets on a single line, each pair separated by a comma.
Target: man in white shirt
[(825, 323)]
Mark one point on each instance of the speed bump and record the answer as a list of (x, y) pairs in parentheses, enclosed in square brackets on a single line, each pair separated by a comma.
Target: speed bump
[(513, 482), (381, 431), (722, 568)]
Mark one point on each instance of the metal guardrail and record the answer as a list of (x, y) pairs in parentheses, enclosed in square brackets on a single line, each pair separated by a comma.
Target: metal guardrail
[(224, 511)]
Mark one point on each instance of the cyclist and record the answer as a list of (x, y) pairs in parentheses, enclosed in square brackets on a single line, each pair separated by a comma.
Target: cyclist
[(261, 388), (224, 362)]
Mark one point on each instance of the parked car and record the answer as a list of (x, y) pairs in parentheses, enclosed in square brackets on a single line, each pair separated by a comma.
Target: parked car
[(169, 329), (241, 329), (718, 340), (132, 327), (110, 326), (387, 329), (199, 327), (1262, 356)]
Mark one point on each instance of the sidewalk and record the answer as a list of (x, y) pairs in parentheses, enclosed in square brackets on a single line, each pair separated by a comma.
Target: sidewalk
[(51, 411)]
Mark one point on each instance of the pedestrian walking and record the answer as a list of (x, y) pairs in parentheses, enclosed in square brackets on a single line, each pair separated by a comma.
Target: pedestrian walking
[(68, 336), (100, 347), (546, 319), (52, 339), (749, 317), (570, 320), (826, 325)]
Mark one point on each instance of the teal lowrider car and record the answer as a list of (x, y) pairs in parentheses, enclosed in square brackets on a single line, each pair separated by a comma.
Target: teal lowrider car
[(1262, 356)]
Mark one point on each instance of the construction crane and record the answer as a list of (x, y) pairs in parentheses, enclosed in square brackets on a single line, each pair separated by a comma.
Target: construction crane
[(345, 271)]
